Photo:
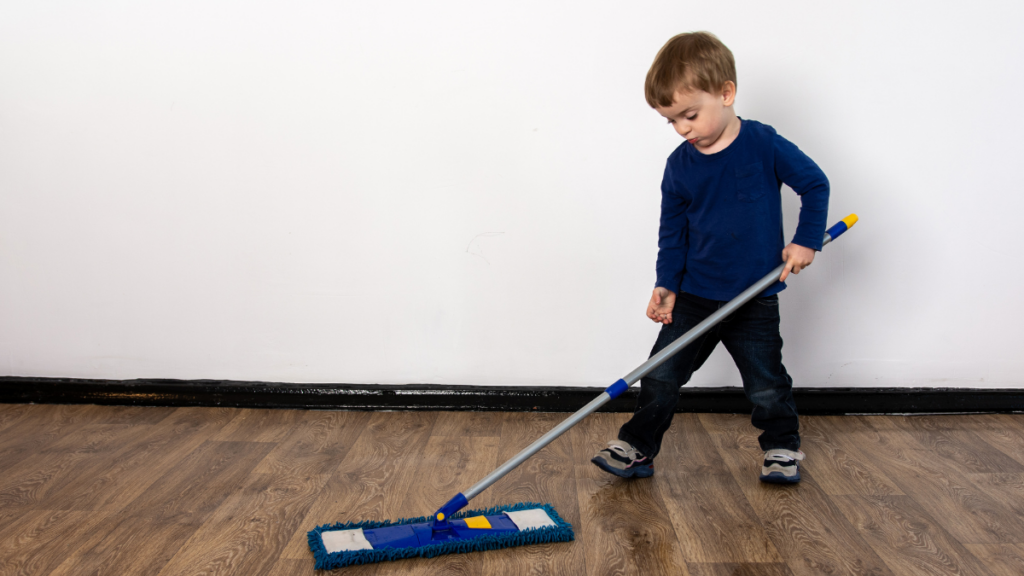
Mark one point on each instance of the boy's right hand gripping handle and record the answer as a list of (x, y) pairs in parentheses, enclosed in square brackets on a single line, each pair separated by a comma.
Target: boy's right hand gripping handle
[(841, 226)]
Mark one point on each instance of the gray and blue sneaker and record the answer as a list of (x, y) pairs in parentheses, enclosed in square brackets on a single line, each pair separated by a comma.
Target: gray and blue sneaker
[(781, 466), (623, 460)]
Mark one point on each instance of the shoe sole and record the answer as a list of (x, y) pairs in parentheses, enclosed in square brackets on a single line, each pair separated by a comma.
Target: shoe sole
[(780, 478), (637, 472)]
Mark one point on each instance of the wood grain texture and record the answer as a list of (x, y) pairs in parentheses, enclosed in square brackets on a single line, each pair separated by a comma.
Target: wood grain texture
[(964, 510), (194, 488), (317, 443), (260, 426), (249, 530), (713, 520), (372, 480), (126, 545), (463, 424), (33, 481), (623, 525), (100, 490), (1005, 432), (838, 468), (12, 413), (449, 465), (907, 537), (547, 477), (960, 449), (118, 477), (739, 569), (1000, 559), (1006, 489), (808, 531), (32, 433), (40, 540)]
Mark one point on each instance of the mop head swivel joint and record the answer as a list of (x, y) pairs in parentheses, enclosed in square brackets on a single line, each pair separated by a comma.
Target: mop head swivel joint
[(339, 545)]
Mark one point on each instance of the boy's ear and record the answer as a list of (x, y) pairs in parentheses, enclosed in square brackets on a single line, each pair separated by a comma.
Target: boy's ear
[(728, 93)]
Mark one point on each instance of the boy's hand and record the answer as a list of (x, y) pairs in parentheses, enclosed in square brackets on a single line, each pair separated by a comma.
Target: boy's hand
[(797, 258), (660, 307)]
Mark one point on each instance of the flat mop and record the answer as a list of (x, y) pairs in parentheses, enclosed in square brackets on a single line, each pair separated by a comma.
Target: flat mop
[(449, 531)]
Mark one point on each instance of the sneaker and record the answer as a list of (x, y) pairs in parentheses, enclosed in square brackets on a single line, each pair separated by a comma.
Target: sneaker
[(781, 466), (623, 460)]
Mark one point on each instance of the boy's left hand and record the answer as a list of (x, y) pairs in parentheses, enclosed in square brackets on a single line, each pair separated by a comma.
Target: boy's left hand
[(797, 258)]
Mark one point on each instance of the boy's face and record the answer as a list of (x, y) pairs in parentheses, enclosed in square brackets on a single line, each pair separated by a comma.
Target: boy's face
[(702, 118)]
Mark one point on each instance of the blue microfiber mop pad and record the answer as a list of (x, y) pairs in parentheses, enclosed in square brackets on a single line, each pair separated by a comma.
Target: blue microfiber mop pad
[(473, 530)]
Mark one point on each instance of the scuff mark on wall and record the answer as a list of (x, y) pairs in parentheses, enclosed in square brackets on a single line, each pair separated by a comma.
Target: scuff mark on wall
[(475, 247)]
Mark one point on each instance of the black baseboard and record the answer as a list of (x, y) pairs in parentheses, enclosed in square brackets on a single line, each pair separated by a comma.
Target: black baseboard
[(156, 392)]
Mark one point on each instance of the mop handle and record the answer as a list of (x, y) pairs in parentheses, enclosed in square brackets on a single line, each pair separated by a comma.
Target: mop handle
[(622, 385)]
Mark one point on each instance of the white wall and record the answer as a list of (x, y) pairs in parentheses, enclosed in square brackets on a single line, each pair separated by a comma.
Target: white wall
[(463, 192)]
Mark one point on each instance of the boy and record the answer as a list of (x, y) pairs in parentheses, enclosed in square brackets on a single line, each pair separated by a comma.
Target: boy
[(721, 230)]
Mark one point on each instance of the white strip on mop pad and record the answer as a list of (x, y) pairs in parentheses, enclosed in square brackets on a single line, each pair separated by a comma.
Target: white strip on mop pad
[(534, 518), (345, 540)]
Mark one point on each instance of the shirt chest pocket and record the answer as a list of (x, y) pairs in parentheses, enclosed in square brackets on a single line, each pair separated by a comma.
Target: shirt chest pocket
[(750, 184)]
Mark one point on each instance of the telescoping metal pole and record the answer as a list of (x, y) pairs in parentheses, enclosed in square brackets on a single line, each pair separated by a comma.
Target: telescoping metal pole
[(616, 389)]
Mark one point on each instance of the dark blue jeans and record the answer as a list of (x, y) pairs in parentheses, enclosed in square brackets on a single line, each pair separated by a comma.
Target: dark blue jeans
[(751, 335)]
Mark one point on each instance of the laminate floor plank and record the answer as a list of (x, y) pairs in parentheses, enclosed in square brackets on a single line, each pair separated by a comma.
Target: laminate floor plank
[(129, 415), (547, 477), (248, 531), (45, 424), (907, 538), (963, 510), (623, 525), (807, 529), (961, 449), (317, 444), (260, 425), (1000, 559), (190, 491), (837, 466), (372, 480), (1005, 432), (11, 413), (31, 482), (96, 490), (739, 569), (152, 528), (119, 477), (287, 567), (1006, 489), (711, 516), (40, 540), (127, 545), (469, 424), (449, 465)]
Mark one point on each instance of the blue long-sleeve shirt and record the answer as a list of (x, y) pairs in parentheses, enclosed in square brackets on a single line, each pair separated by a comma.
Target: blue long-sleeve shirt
[(721, 213)]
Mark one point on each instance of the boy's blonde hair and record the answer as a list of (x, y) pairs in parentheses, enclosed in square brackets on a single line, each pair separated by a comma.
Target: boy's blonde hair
[(694, 60)]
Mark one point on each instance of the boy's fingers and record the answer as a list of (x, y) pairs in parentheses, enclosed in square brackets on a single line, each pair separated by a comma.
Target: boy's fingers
[(785, 272)]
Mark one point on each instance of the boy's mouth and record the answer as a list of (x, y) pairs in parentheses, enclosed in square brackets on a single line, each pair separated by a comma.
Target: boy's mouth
[(692, 140)]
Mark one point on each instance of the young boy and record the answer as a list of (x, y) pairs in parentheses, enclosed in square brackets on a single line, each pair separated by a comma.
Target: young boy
[(721, 230)]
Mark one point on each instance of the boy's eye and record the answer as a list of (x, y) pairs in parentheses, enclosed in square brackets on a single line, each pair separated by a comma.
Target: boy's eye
[(694, 117), (671, 121)]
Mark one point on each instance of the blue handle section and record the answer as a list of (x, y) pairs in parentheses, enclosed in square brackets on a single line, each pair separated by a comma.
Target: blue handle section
[(615, 390), (836, 230), (842, 226)]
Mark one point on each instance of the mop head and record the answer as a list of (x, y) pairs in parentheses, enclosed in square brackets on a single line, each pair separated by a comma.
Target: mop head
[(345, 544)]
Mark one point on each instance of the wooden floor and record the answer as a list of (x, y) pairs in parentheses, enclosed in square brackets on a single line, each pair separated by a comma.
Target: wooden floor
[(129, 490)]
